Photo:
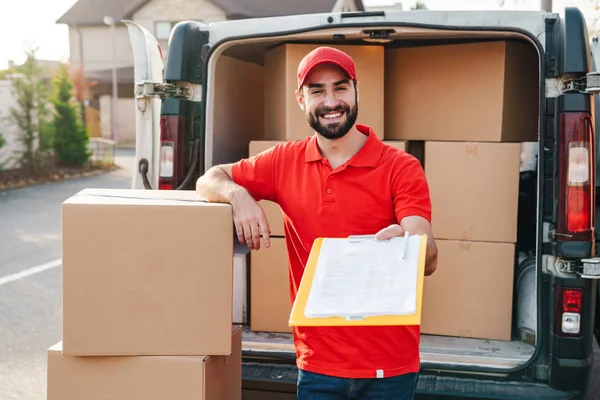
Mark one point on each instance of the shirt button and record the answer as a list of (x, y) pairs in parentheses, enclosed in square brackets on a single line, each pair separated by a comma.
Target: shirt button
[(329, 190)]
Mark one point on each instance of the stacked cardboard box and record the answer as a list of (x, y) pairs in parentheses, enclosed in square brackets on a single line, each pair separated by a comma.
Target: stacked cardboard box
[(270, 304), (146, 312), (468, 107)]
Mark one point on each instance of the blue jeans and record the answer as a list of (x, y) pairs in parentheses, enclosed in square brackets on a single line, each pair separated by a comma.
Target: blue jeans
[(323, 387)]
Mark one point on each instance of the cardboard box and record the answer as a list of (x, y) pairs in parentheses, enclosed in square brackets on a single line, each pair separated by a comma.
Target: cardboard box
[(474, 189), (284, 120), (398, 144), (485, 92), (270, 304), (146, 377), (274, 217), (471, 292), (234, 81), (258, 146), (146, 273)]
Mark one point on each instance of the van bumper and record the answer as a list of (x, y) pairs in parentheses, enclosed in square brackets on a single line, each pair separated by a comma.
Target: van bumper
[(282, 378)]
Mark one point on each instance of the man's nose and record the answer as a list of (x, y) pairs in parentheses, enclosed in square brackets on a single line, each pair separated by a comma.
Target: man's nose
[(330, 100)]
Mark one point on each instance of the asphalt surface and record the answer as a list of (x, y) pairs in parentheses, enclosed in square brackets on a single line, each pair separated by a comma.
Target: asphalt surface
[(30, 306)]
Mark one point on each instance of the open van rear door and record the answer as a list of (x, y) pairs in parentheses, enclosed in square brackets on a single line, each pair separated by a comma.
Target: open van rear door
[(595, 51), (148, 72), (570, 147)]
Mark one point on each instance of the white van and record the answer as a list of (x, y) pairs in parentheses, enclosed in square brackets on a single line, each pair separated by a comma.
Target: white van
[(190, 116)]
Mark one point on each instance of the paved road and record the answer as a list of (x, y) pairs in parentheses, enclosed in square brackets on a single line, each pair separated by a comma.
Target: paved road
[(30, 307)]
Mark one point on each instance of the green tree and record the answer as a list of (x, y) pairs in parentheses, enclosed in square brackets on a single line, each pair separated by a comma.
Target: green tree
[(419, 6), (70, 136), (29, 116)]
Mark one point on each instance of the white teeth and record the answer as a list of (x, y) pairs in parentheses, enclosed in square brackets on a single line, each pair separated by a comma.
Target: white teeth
[(336, 115)]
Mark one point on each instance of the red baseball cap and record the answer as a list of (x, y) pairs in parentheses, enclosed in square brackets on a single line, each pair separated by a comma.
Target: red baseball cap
[(325, 55)]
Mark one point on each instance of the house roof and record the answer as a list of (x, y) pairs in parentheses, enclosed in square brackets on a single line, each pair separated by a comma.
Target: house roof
[(92, 12)]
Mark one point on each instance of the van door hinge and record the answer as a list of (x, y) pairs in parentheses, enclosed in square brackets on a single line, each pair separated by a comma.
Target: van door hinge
[(590, 83), (145, 89), (590, 268), (587, 268)]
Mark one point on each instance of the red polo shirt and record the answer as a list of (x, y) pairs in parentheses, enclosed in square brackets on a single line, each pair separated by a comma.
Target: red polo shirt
[(377, 187)]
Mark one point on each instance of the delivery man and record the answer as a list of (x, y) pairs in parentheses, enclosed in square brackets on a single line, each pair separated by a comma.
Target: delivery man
[(341, 181)]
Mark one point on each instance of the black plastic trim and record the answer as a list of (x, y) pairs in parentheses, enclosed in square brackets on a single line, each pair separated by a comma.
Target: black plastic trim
[(574, 102), (550, 193), (569, 373), (573, 250), (574, 57), (284, 378), (363, 14), (183, 64)]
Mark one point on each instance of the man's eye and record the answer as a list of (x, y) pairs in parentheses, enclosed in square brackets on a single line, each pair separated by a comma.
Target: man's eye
[(341, 89)]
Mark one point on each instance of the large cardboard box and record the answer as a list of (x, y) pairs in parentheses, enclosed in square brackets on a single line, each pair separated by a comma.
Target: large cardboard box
[(284, 120), (270, 304), (398, 144), (470, 293), (474, 189), (146, 273), (486, 92), (274, 217), (146, 377)]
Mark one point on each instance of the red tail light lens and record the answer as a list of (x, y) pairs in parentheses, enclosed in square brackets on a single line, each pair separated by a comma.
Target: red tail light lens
[(172, 151), (568, 312), (576, 175), (572, 300)]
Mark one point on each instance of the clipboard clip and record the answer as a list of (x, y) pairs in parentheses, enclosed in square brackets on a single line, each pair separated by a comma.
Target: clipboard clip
[(360, 238)]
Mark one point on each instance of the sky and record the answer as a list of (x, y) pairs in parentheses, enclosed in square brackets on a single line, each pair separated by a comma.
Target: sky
[(33, 22)]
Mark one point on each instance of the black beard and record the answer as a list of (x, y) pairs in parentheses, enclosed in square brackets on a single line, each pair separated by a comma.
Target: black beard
[(334, 131)]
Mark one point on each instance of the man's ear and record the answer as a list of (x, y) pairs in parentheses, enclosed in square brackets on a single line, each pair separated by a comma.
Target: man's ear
[(357, 92), (300, 98)]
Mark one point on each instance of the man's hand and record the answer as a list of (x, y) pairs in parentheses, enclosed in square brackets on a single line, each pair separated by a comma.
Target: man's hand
[(390, 232), (415, 225), (250, 221), (217, 186)]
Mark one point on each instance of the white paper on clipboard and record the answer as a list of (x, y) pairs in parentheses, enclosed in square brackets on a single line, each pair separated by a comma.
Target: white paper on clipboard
[(364, 278)]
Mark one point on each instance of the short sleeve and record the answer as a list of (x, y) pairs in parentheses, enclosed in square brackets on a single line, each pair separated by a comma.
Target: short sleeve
[(257, 174), (410, 189)]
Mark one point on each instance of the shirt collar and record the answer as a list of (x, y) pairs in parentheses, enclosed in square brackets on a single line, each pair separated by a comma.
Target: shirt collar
[(367, 156)]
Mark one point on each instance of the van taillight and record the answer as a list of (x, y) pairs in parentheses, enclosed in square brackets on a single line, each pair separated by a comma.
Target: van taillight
[(576, 175), (568, 311), (172, 151)]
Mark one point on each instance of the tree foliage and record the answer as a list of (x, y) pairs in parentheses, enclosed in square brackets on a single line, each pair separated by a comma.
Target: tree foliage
[(70, 136), (31, 112), (419, 6)]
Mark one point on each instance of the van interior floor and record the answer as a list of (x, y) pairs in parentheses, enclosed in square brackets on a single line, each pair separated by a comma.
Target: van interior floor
[(438, 351)]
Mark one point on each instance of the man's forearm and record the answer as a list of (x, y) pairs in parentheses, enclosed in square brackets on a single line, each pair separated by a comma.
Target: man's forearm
[(216, 186)]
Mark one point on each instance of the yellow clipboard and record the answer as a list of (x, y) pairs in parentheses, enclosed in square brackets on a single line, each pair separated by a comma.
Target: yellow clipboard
[(297, 317)]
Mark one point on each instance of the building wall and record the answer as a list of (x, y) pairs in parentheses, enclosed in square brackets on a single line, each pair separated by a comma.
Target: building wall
[(13, 146), (96, 44), (125, 119), (174, 11)]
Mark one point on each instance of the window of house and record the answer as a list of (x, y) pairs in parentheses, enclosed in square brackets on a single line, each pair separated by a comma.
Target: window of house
[(162, 29)]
